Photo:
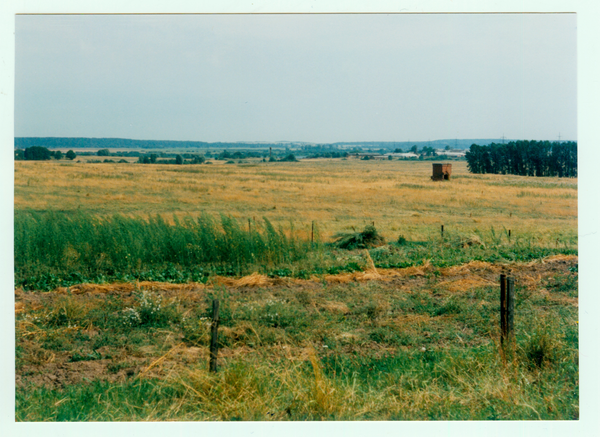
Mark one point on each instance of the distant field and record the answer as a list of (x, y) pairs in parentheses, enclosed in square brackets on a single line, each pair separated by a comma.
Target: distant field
[(338, 195)]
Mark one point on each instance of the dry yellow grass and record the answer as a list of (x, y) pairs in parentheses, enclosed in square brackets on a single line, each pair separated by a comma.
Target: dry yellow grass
[(338, 195)]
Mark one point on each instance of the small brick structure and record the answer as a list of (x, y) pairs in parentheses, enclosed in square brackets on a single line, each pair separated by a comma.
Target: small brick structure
[(441, 172)]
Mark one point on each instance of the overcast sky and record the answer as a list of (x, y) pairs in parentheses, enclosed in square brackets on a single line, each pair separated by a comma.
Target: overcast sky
[(316, 78)]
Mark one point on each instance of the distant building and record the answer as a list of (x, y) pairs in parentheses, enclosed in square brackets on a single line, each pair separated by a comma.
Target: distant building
[(384, 156), (454, 153), (403, 155)]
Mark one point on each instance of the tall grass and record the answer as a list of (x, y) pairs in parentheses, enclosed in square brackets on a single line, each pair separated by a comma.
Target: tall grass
[(85, 245), (58, 249)]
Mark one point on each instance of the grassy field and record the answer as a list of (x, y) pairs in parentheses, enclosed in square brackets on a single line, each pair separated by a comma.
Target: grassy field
[(338, 195), (404, 331)]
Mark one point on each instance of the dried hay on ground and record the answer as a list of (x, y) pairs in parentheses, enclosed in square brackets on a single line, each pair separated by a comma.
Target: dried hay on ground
[(474, 240), (128, 287), (342, 278), (411, 318), (530, 282), (19, 307), (253, 280), (560, 257), (335, 307), (482, 265), (465, 284), (411, 271)]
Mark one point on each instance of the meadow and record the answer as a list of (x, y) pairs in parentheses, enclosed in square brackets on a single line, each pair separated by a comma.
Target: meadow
[(116, 266), (338, 195)]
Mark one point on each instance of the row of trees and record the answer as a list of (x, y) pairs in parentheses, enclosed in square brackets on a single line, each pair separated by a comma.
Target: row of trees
[(153, 158), (525, 158), (38, 153)]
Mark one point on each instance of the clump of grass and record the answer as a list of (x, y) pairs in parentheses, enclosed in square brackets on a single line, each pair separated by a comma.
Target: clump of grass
[(541, 348), (366, 239)]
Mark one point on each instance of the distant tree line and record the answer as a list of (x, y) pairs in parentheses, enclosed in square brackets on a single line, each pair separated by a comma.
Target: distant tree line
[(38, 153), (238, 154), (186, 158), (124, 143), (307, 148), (525, 158), (328, 155)]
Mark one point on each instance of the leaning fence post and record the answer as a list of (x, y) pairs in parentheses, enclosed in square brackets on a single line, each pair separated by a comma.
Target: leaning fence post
[(214, 327)]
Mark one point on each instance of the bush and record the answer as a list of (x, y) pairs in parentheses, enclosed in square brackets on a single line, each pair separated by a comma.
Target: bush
[(103, 152), (71, 155), (289, 158)]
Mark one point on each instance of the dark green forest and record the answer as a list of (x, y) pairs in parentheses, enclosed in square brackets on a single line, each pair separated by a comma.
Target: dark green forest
[(525, 158)]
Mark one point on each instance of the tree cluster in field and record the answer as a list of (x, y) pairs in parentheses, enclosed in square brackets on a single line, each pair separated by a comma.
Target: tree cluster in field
[(525, 158), (238, 154), (328, 155), (186, 158), (425, 151), (38, 153)]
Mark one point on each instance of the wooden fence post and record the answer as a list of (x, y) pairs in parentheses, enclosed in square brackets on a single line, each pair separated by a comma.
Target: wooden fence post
[(214, 327), (510, 305), (502, 308), (312, 232), (442, 231), (507, 308)]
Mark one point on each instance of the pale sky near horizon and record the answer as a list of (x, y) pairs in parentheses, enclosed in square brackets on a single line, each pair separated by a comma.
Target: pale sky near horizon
[(315, 78)]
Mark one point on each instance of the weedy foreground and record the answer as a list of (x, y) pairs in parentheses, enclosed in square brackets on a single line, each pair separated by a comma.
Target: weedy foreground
[(398, 344)]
